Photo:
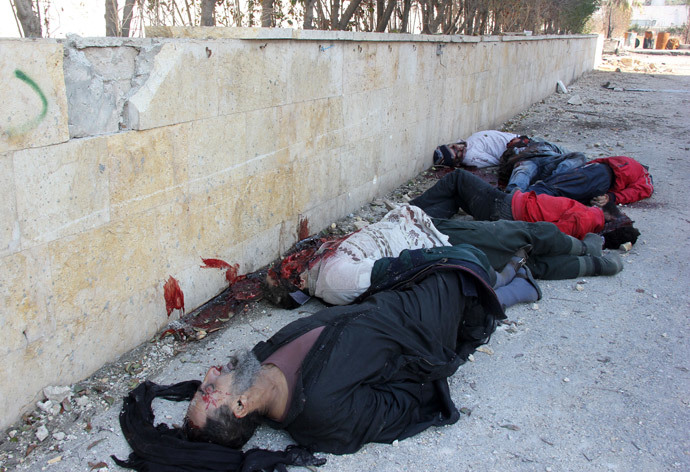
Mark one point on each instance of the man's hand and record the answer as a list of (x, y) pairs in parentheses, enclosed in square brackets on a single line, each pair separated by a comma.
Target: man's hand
[(600, 201)]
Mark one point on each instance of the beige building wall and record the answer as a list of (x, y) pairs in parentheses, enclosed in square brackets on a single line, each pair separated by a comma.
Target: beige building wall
[(124, 162)]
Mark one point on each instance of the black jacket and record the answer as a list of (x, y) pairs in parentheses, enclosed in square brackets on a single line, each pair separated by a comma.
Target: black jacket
[(378, 370)]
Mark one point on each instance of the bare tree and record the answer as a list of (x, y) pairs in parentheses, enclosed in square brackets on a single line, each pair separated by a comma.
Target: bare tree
[(111, 18), (309, 14), (208, 17), (28, 18), (267, 14), (472, 17), (385, 17), (127, 17), (347, 15), (113, 27), (610, 7)]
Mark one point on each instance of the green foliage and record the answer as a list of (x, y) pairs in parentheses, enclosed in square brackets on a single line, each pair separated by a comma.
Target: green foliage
[(676, 30), (576, 13)]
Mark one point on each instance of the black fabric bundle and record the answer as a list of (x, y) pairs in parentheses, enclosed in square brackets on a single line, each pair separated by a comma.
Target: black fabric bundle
[(164, 449)]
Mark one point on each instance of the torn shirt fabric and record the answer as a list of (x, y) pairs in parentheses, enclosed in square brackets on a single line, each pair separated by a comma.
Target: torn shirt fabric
[(342, 276)]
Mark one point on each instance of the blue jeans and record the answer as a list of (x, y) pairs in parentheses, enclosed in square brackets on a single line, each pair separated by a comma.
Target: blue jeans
[(539, 168)]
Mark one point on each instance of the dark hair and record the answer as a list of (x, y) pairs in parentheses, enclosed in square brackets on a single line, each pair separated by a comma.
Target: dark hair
[(623, 234), (224, 429), (279, 292), (443, 156), (612, 209)]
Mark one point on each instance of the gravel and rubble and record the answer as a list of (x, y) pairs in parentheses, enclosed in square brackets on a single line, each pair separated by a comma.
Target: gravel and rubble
[(595, 376)]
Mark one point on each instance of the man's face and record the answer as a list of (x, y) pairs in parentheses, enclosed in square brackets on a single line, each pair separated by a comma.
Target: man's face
[(458, 150), (216, 390)]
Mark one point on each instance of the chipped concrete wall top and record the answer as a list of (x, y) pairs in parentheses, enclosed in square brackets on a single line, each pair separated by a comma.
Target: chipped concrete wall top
[(124, 162)]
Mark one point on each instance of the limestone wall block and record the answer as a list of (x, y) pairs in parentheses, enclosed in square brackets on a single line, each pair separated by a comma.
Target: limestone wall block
[(26, 316), (42, 359), (33, 103), (407, 64), (146, 169), (360, 162), (266, 244), (315, 71), (209, 220), (266, 131), (183, 85), (250, 76), (95, 272), (215, 144), (61, 190), (263, 199), (9, 223), (318, 178), (363, 70), (302, 122), (322, 215)]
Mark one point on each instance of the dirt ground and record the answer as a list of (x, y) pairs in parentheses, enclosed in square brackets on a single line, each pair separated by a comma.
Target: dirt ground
[(593, 377)]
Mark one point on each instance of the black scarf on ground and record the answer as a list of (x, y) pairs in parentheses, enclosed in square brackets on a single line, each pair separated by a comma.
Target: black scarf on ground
[(164, 449)]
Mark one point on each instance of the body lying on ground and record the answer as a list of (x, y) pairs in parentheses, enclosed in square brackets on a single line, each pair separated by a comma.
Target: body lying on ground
[(370, 372), (482, 149), (527, 160), (619, 179), (341, 271), (461, 189)]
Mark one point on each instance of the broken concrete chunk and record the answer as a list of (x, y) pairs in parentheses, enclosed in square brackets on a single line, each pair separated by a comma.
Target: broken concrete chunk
[(361, 224), (485, 350), (42, 433), (560, 87), (45, 406), (57, 394), (83, 401), (575, 100)]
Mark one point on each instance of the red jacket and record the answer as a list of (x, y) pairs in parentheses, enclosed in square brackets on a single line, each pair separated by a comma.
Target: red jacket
[(632, 182), (570, 216)]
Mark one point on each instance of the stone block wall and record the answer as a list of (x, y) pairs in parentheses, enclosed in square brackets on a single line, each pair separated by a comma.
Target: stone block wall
[(124, 162)]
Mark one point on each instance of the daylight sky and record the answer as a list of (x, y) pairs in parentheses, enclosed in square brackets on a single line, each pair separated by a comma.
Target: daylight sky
[(66, 16)]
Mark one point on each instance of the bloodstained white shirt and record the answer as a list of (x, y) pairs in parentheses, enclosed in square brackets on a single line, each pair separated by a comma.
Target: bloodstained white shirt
[(484, 148), (341, 277)]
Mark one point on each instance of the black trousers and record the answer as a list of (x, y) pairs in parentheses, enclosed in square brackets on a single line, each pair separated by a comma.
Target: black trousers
[(549, 258), (581, 183), (462, 189)]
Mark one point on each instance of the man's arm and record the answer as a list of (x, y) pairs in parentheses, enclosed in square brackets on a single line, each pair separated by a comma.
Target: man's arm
[(375, 413), (639, 190)]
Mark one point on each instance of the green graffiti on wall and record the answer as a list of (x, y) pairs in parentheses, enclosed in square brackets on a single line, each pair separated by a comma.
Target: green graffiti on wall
[(32, 123)]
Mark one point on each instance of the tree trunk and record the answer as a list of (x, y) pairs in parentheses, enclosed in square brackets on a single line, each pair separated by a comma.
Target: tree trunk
[(309, 14), (347, 15), (28, 18), (380, 8), (383, 20), (609, 30), (407, 5), (111, 19), (208, 13), (335, 10), (266, 13), (127, 17)]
